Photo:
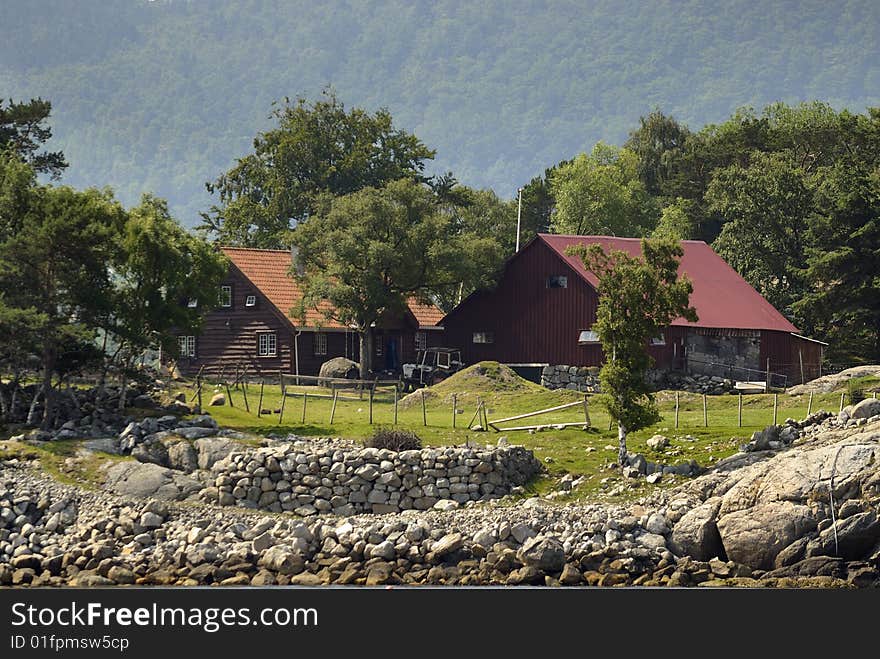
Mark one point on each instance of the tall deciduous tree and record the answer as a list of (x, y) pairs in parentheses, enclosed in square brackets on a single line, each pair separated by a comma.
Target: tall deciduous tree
[(366, 253), (638, 297), (842, 300), (658, 143), (158, 267), (23, 131), (765, 205), (53, 269), (602, 194), (316, 148)]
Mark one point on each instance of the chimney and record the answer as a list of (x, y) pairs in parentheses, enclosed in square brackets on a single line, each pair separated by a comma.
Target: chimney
[(296, 261)]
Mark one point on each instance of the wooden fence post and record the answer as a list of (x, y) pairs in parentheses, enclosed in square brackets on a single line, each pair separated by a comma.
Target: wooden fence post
[(228, 393), (395, 404), (333, 406), (454, 408), (676, 410), (586, 411), (424, 412), (740, 409), (810, 404), (775, 407), (842, 397), (243, 385), (705, 413), (305, 400), (260, 404), (476, 414), (199, 391), (283, 398), (372, 389)]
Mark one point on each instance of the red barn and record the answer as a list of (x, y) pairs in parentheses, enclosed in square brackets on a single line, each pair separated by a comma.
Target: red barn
[(542, 310), (254, 327)]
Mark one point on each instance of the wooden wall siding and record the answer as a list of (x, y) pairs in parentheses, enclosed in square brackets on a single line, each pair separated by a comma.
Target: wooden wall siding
[(530, 323), (783, 351), (229, 335)]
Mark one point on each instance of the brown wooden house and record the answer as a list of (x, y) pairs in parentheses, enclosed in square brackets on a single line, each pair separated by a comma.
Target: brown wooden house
[(254, 328), (543, 308)]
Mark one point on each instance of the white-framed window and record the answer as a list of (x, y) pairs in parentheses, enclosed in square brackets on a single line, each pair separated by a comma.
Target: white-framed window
[(484, 337), (250, 301), (320, 343), (587, 336), (267, 344), (187, 346), (659, 340), (557, 281), (192, 303), (226, 296), (444, 359), (421, 340)]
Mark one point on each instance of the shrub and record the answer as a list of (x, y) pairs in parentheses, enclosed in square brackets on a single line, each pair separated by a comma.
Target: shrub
[(395, 439)]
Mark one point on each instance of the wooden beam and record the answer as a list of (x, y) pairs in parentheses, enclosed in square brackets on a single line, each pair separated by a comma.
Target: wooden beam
[(547, 425), (528, 414)]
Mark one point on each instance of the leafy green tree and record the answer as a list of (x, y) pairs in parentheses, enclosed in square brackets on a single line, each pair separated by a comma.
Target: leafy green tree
[(368, 252), (766, 205), (53, 269), (676, 221), (638, 297), (601, 194), (842, 300), (316, 148), (658, 142), (158, 266), (538, 204), (23, 132)]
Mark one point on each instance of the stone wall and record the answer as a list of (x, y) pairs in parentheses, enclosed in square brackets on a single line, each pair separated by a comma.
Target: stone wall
[(586, 379), (741, 350), (576, 378), (315, 476)]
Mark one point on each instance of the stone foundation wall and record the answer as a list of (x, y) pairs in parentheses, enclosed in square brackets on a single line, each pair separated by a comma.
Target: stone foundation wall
[(706, 353), (576, 378), (310, 477)]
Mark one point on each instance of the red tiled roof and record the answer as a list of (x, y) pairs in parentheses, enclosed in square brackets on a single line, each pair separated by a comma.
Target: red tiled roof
[(267, 269), (722, 298)]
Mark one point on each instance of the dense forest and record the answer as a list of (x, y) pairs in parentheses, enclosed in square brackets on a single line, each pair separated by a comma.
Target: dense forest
[(163, 96)]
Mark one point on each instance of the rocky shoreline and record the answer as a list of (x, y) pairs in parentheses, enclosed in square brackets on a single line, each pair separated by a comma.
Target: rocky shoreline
[(801, 516)]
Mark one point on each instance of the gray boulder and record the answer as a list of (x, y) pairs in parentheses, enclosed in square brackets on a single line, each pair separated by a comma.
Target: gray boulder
[(213, 449), (134, 479), (543, 553), (153, 451), (866, 409), (696, 533), (338, 367), (183, 456), (755, 536)]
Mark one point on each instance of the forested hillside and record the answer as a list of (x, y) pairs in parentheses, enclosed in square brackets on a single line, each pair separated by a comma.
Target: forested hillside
[(163, 96)]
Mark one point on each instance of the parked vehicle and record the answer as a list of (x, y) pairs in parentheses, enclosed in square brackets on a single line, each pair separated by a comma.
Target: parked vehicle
[(432, 365)]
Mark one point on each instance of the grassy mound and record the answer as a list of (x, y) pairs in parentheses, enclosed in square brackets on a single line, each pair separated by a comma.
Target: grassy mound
[(483, 379)]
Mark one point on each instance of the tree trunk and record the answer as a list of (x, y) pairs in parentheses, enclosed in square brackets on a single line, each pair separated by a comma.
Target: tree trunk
[(32, 411), (366, 356), (48, 367), (621, 444)]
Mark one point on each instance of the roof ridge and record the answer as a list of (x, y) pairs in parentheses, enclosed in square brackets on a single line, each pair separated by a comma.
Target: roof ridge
[(255, 249)]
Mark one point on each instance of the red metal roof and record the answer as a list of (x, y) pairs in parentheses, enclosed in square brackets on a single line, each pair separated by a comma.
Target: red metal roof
[(722, 298), (268, 270)]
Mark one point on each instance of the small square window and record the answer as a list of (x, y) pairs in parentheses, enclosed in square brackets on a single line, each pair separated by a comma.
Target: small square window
[(484, 337), (192, 303), (226, 296), (588, 336), (557, 281), (421, 340), (658, 340), (320, 343), (267, 344), (187, 346), (250, 301)]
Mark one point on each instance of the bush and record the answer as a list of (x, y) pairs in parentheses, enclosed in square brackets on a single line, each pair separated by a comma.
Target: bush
[(395, 439)]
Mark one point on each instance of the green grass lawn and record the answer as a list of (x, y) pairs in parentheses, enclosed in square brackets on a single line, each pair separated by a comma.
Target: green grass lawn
[(569, 450)]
